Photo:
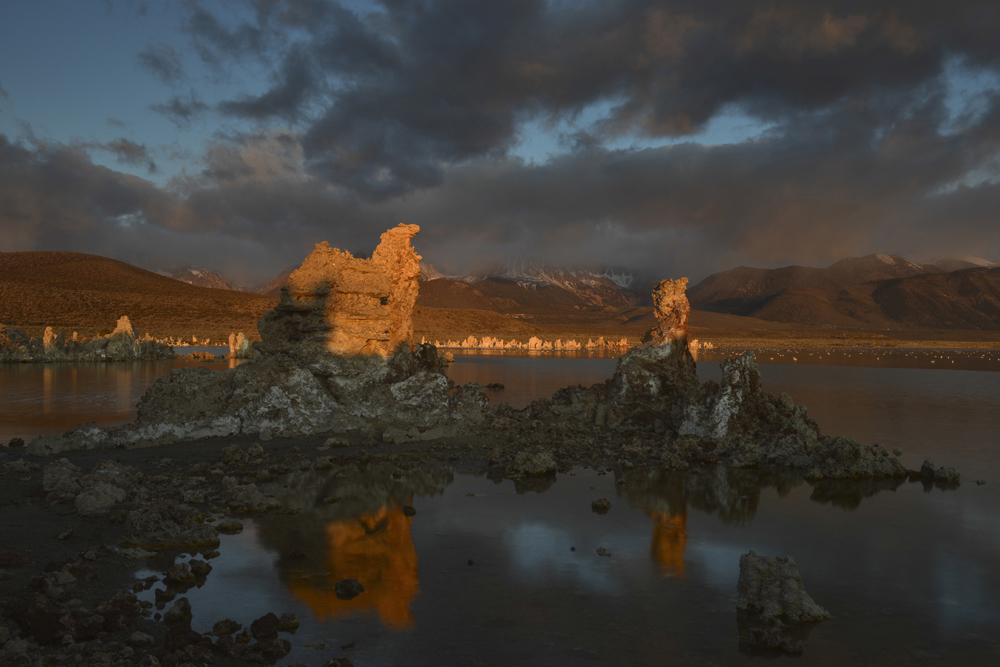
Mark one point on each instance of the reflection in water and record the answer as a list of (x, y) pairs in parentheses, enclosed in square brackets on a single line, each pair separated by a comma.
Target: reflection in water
[(377, 550), (669, 541), (39, 399), (364, 535)]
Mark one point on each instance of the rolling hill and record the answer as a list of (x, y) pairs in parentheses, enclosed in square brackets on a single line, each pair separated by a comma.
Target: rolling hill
[(86, 293), (967, 299)]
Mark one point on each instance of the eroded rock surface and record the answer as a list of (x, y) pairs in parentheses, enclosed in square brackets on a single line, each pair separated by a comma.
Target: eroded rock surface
[(340, 305), (772, 589)]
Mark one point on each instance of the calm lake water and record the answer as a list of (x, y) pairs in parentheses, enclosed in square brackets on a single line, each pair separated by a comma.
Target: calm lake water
[(911, 575)]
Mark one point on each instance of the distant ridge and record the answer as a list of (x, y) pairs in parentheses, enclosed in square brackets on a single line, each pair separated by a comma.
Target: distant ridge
[(879, 291), (203, 278), (75, 291)]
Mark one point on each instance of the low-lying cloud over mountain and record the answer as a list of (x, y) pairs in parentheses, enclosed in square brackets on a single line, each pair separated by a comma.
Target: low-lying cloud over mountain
[(872, 127)]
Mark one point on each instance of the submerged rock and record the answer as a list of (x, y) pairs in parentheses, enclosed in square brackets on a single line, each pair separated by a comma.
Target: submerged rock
[(348, 589)]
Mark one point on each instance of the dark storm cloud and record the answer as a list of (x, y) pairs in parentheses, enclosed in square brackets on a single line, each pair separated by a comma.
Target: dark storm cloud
[(130, 153), (163, 61), (214, 41), (419, 85), (181, 110), (410, 114), (295, 81), (53, 197), (3, 93)]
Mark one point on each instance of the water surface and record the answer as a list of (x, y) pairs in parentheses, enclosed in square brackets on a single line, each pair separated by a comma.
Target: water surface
[(909, 573)]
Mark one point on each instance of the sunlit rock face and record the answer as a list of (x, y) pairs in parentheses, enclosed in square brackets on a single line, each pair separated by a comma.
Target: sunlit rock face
[(342, 305), (672, 310), (657, 379)]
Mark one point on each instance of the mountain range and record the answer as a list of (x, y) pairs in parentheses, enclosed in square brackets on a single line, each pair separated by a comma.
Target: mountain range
[(876, 291)]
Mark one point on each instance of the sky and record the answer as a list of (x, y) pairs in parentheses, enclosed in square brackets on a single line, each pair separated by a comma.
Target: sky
[(671, 138)]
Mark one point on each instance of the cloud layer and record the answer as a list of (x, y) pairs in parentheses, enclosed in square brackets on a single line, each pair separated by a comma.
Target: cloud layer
[(413, 112)]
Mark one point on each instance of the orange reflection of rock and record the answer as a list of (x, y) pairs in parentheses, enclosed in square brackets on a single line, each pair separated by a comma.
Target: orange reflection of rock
[(377, 550), (669, 541)]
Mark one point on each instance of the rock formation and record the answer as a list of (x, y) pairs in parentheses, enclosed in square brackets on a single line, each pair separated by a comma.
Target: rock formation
[(119, 345), (340, 305), (337, 357), (771, 588), (671, 308), (239, 347)]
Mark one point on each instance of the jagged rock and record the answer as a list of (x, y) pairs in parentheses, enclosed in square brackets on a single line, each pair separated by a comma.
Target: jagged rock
[(140, 640), (18, 467), (199, 568), (771, 588), (229, 526), (247, 498), (161, 525), (671, 308), (62, 480), (179, 574), (180, 612), (288, 623), (846, 458), (98, 498), (600, 506), (226, 627), (348, 589), (337, 358), (239, 347), (265, 626), (15, 653), (233, 455), (337, 304), (537, 462)]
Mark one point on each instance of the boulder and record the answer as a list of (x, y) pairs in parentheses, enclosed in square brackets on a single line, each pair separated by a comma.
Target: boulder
[(772, 589), (98, 498)]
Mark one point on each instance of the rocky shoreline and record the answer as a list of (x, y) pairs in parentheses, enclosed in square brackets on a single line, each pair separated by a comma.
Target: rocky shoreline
[(337, 358), (120, 345), (68, 584), (337, 385)]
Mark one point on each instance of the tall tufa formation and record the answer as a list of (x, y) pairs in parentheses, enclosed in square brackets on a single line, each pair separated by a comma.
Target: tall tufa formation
[(671, 307), (341, 305), (657, 377)]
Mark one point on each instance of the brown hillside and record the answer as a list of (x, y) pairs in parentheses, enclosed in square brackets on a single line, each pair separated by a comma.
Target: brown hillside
[(744, 290), (76, 292), (967, 299), (961, 300)]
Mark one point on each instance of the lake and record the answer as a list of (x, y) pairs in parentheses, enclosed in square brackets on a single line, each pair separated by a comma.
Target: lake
[(910, 574)]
